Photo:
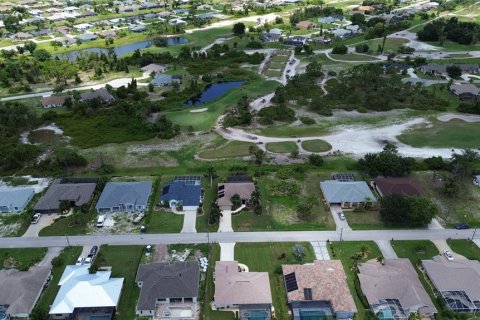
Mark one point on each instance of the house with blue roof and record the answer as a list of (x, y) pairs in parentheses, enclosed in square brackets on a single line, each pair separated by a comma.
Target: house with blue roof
[(184, 193), (348, 195), (15, 200), (124, 197), (164, 80)]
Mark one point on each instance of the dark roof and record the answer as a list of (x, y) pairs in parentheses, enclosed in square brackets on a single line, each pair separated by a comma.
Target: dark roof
[(189, 194), (163, 280), (343, 177), (53, 100), (101, 93), (403, 186), (79, 193), (239, 179)]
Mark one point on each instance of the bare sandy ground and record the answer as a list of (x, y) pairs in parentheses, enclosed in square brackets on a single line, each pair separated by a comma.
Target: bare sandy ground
[(465, 117), (199, 110)]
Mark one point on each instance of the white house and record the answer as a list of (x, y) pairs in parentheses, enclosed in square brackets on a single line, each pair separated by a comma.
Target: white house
[(82, 27)]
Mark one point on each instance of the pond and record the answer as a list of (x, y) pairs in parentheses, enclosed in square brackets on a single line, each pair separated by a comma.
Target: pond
[(123, 49), (213, 91), (42, 136)]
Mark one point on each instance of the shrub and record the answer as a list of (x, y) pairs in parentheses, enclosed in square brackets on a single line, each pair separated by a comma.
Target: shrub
[(341, 49), (315, 160), (285, 188), (307, 120), (285, 173)]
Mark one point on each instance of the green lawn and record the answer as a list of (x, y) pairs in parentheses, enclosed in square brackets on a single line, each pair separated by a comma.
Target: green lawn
[(263, 257), (124, 261), (281, 147), (353, 57), (22, 258), (316, 145), (466, 248), (451, 134), (392, 44), (164, 222), (284, 131), (76, 224), (68, 257), (273, 73), (365, 220), (231, 149), (415, 250), (345, 251)]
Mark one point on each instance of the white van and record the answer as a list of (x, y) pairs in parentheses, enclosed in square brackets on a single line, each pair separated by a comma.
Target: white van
[(100, 221)]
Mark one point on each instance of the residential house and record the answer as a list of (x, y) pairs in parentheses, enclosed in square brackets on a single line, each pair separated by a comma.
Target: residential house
[(348, 195), (53, 101), (468, 68), (204, 7), (400, 67), (184, 193), (341, 33), (457, 282), (102, 94), (165, 285), (434, 69), (177, 22), (124, 197), (366, 9), (35, 12), (322, 40), (305, 24), (245, 292), (22, 36), (41, 33), (82, 27), (64, 29), (108, 34), (85, 295), (70, 9), (20, 291), (155, 68), (295, 41), (235, 186), (318, 289), (180, 11), (15, 200), (353, 28), (76, 191), (87, 37), (392, 288), (164, 80), (403, 186), (465, 91), (139, 28), (86, 7)]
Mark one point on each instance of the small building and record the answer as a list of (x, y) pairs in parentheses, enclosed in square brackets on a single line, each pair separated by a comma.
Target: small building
[(331, 19), (465, 91), (155, 68), (76, 191), (353, 28), (393, 288), (64, 29), (15, 200), (53, 101), (177, 22), (139, 28), (164, 80), (227, 190), (22, 36), (341, 33), (245, 292), (204, 7), (82, 27), (434, 69), (124, 197), (108, 34), (165, 284), (305, 24), (20, 291), (184, 193), (180, 11), (102, 94), (348, 195), (366, 9), (319, 288), (405, 186), (83, 295)]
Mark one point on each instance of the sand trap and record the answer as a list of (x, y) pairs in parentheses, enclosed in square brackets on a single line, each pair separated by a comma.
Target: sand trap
[(199, 110), (465, 117), (51, 127)]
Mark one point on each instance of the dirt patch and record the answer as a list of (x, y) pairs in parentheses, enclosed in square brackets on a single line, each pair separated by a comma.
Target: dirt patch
[(161, 253)]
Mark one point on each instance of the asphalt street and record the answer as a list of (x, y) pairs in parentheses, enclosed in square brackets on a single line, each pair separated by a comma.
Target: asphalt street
[(290, 236)]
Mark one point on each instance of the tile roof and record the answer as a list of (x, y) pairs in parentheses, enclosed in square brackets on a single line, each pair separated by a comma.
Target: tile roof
[(164, 280), (53, 100), (403, 186), (243, 189), (350, 191), (326, 280)]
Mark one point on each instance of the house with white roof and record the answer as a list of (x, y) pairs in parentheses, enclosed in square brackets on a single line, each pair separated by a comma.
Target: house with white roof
[(82, 294), (82, 27)]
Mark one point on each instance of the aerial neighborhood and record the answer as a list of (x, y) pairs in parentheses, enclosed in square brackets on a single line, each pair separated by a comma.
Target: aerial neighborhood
[(252, 160)]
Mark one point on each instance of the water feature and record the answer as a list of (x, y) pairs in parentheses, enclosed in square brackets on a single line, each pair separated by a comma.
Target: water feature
[(213, 91), (122, 49)]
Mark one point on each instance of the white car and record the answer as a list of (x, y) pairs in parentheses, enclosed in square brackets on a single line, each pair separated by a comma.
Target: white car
[(448, 255), (36, 218), (88, 260), (80, 261), (341, 215)]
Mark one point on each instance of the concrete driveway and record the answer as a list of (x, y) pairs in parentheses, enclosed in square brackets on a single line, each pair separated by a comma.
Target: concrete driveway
[(386, 248), (189, 221), (45, 221), (225, 224), (320, 249), (227, 251), (443, 246), (52, 252), (335, 209)]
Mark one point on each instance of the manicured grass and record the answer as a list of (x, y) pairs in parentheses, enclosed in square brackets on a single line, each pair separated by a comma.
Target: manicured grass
[(124, 261), (466, 248), (352, 57), (301, 131), (263, 257), (76, 224), (68, 256), (24, 257), (391, 44), (164, 222), (273, 73), (344, 251), (451, 134), (231, 149), (316, 145), (415, 250), (282, 147), (366, 220)]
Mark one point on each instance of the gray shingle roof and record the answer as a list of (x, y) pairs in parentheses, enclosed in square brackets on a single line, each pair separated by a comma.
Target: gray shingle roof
[(163, 280), (116, 193), (80, 193), (101, 93), (15, 197), (352, 191)]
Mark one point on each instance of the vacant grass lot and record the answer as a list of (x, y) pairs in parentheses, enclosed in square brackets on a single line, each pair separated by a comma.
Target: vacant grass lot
[(466, 248), (273, 73), (292, 132), (22, 258), (392, 44), (164, 222), (451, 134), (124, 261), (263, 257), (316, 145), (282, 147), (231, 149), (352, 57), (345, 251)]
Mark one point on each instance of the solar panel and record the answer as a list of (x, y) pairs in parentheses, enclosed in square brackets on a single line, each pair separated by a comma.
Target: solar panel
[(307, 293), (343, 177), (291, 282)]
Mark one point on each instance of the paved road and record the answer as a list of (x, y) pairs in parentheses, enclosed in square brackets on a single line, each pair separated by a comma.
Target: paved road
[(281, 236)]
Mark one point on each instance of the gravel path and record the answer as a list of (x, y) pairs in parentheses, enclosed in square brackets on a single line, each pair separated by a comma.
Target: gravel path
[(465, 117)]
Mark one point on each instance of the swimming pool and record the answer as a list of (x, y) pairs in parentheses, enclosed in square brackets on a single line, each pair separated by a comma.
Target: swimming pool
[(3, 312), (256, 314)]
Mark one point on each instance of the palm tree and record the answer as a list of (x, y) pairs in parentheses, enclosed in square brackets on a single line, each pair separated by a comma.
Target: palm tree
[(211, 173)]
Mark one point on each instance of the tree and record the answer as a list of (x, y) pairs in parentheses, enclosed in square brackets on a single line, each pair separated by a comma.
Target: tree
[(258, 154), (299, 252), (41, 55), (315, 160), (236, 202), (357, 19), (239, 29), (341, 49), (454, 71), (422, 211), (462, 163), (305, 206), (399, 210), (30, 46), (12, 24), (387, 163), (314, 69), (215, 213), (211, 173)]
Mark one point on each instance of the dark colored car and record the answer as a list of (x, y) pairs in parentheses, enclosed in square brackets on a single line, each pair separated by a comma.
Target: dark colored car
[(462, 226), (94, 250)]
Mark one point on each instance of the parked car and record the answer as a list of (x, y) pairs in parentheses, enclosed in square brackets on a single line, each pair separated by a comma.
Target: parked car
[(36, 218), (341, 215), (88, 260), (462, 226), (100, 221), (94, 250), (80, 261), (448, 255)]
